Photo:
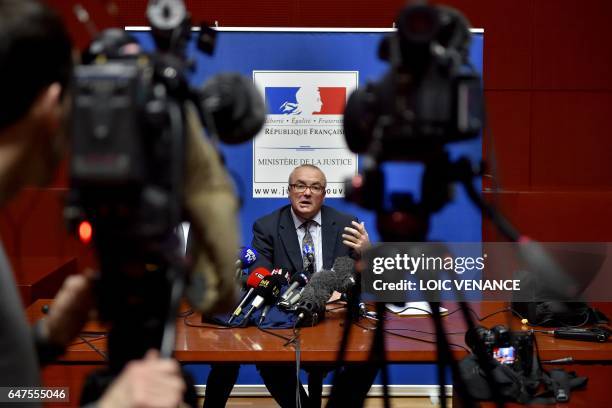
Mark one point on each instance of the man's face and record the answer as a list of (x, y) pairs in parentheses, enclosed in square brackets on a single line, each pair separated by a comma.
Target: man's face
[(306, 204)]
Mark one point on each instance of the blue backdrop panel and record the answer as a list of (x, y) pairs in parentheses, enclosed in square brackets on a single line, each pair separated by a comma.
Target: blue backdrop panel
[(247, 51)]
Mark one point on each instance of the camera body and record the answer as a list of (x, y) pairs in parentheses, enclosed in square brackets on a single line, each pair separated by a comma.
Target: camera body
[(429, 97), (514, 349), (128, 131), (127, 171), (127, 150)]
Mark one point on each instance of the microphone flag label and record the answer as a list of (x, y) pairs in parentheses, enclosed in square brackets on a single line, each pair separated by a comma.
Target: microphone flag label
[(303, 126), (250, 255)]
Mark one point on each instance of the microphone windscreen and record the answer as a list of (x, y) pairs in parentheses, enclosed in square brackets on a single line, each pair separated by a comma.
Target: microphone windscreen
[(360, 116), (315, 296), (344, 267), (269, 288), (247, 256), (235, 105), (300, 278), (320, 288), (279, 279), (256, 276)]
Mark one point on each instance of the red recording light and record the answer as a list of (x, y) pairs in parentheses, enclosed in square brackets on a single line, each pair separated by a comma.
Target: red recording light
[(85, 232)]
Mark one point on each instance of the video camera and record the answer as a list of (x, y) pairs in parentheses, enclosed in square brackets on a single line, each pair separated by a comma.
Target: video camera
[(514, 349), (430, 96), (128, 129), (132, 119), (127, 170)]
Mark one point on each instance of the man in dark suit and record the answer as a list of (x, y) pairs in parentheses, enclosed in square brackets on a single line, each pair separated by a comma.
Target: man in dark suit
[(279, 239)]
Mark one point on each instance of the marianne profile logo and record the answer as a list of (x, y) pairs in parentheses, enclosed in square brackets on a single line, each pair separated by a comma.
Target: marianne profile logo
[(305, 100)]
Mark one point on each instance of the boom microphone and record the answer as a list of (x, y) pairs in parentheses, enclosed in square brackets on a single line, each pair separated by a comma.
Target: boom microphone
[(253, 282), (344, 267), (311, 307), (314, 296)]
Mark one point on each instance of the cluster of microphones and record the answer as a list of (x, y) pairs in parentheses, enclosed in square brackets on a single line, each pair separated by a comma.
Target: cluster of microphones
[(306, 292)]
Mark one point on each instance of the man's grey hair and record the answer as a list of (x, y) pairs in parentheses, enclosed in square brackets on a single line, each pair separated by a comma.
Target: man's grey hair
[(310, 166)]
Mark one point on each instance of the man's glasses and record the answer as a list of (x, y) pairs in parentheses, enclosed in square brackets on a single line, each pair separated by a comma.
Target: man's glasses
[(300, 188)]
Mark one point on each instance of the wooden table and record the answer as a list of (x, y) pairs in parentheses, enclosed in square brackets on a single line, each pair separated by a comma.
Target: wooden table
[(40, 277), (320, 344)]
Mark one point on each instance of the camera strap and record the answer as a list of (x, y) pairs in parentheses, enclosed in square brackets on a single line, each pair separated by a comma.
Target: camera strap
[(558, 384), (515, 386)]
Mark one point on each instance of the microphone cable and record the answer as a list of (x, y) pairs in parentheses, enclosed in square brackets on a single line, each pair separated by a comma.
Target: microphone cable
[(93, 347), (298, 357), (403, 336)]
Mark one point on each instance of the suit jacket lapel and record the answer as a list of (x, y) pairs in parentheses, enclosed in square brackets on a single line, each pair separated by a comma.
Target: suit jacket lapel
[(289, 239), (329, 232)]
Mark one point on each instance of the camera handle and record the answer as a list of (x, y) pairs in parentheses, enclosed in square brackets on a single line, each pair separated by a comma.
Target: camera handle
[(177, 278)]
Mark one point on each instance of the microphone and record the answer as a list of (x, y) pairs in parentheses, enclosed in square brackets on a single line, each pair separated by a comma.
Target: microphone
[(282, 272), (266, 293), (264, 313), (563, 360), (243, 282), (266, 309), (344, 267), (294, 299), (246, 257), (253, 282), (298, 279), (314, 296), (363, 312), (311, 306)]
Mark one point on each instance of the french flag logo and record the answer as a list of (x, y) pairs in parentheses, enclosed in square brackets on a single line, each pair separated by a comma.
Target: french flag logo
[(305, 100)]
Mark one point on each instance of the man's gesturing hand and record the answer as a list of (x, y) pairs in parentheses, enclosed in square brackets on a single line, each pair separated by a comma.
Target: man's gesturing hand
[(356, 238)]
